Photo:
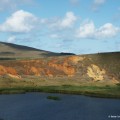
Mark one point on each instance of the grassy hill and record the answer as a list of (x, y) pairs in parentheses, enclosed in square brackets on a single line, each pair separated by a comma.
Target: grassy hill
[(12, 51), (96, 74)]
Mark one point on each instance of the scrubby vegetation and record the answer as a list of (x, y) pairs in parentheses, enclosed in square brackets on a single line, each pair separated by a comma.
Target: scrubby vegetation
[(93, 91)]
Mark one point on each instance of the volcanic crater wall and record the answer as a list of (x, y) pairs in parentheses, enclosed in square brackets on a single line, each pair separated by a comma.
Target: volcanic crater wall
[(87, 67)]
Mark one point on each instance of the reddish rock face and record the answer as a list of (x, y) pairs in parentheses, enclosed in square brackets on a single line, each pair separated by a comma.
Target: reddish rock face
[(7, 70), (80, 67), (63, 66), (2, 70), (41, 67)]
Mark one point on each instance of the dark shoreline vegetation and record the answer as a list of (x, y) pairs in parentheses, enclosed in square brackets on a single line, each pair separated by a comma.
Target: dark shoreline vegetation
[(92, 91), (53, 98)]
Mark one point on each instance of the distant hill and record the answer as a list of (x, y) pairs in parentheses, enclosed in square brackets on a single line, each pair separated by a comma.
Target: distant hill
[(11, 51)]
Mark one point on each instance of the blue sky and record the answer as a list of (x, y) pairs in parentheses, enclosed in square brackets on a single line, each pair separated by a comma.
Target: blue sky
[(77, 26)]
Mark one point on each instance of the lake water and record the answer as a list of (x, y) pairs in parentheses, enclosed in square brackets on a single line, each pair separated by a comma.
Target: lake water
[(35, 106)]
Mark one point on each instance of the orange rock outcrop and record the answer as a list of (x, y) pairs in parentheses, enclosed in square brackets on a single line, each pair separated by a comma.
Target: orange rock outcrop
[(7, 70), (41, 67)]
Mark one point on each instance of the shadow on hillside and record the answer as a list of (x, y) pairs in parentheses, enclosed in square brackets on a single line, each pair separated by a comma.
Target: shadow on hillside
[(7, 53), (50, 54)]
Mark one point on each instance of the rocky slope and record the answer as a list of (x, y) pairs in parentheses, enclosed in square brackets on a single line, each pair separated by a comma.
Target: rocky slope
[(104, 67)]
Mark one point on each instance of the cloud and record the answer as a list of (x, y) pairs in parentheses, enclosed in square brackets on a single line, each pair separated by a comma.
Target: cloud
[(88, 30), (25, 22), (97, 3), (64, 28), (107, 30), (67, 22), (20, 21)]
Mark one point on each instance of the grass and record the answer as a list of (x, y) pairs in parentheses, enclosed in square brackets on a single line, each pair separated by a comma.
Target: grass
[(93, 91), (53, 98)]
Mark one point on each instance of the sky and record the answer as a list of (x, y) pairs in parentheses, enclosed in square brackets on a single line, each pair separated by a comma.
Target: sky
[(75, 26)]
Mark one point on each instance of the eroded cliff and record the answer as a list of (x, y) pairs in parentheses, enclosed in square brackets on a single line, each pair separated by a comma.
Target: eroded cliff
[(87, 67)]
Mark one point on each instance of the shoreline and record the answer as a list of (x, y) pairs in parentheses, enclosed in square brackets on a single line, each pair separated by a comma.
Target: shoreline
[(91, 91)]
